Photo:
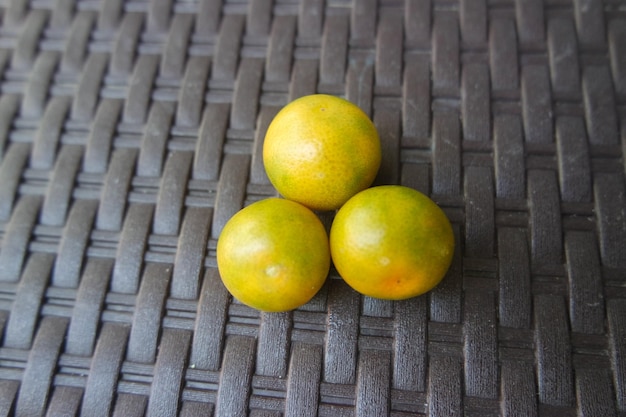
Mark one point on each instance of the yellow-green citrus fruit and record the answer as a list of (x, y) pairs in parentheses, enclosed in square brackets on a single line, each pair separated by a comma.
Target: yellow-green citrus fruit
[(320, 150), (391, 242), (273, 255)]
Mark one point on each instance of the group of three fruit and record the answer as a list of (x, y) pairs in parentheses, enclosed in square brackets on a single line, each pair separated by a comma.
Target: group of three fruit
[(321, 153)]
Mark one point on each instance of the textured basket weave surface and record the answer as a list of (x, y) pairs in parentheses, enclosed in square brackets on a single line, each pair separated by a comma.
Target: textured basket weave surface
[(130, 132)]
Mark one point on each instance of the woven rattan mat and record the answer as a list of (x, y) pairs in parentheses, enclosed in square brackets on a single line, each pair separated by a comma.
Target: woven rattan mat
[(130, 132)]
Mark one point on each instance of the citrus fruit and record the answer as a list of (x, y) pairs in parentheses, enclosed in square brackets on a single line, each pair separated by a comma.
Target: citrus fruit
[(273, 255), (320, 150), (391, 242)]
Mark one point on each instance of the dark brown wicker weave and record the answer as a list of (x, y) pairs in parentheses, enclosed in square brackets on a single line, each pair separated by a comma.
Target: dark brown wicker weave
[(130, 132)]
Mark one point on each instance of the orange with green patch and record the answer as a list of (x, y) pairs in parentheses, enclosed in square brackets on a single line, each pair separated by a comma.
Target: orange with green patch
[(320, 150), (273, 255), (391, 242)]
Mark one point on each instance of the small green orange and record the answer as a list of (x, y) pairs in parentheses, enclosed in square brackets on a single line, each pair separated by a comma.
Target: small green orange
[(391, 242), (273, 255), (320, 150)]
